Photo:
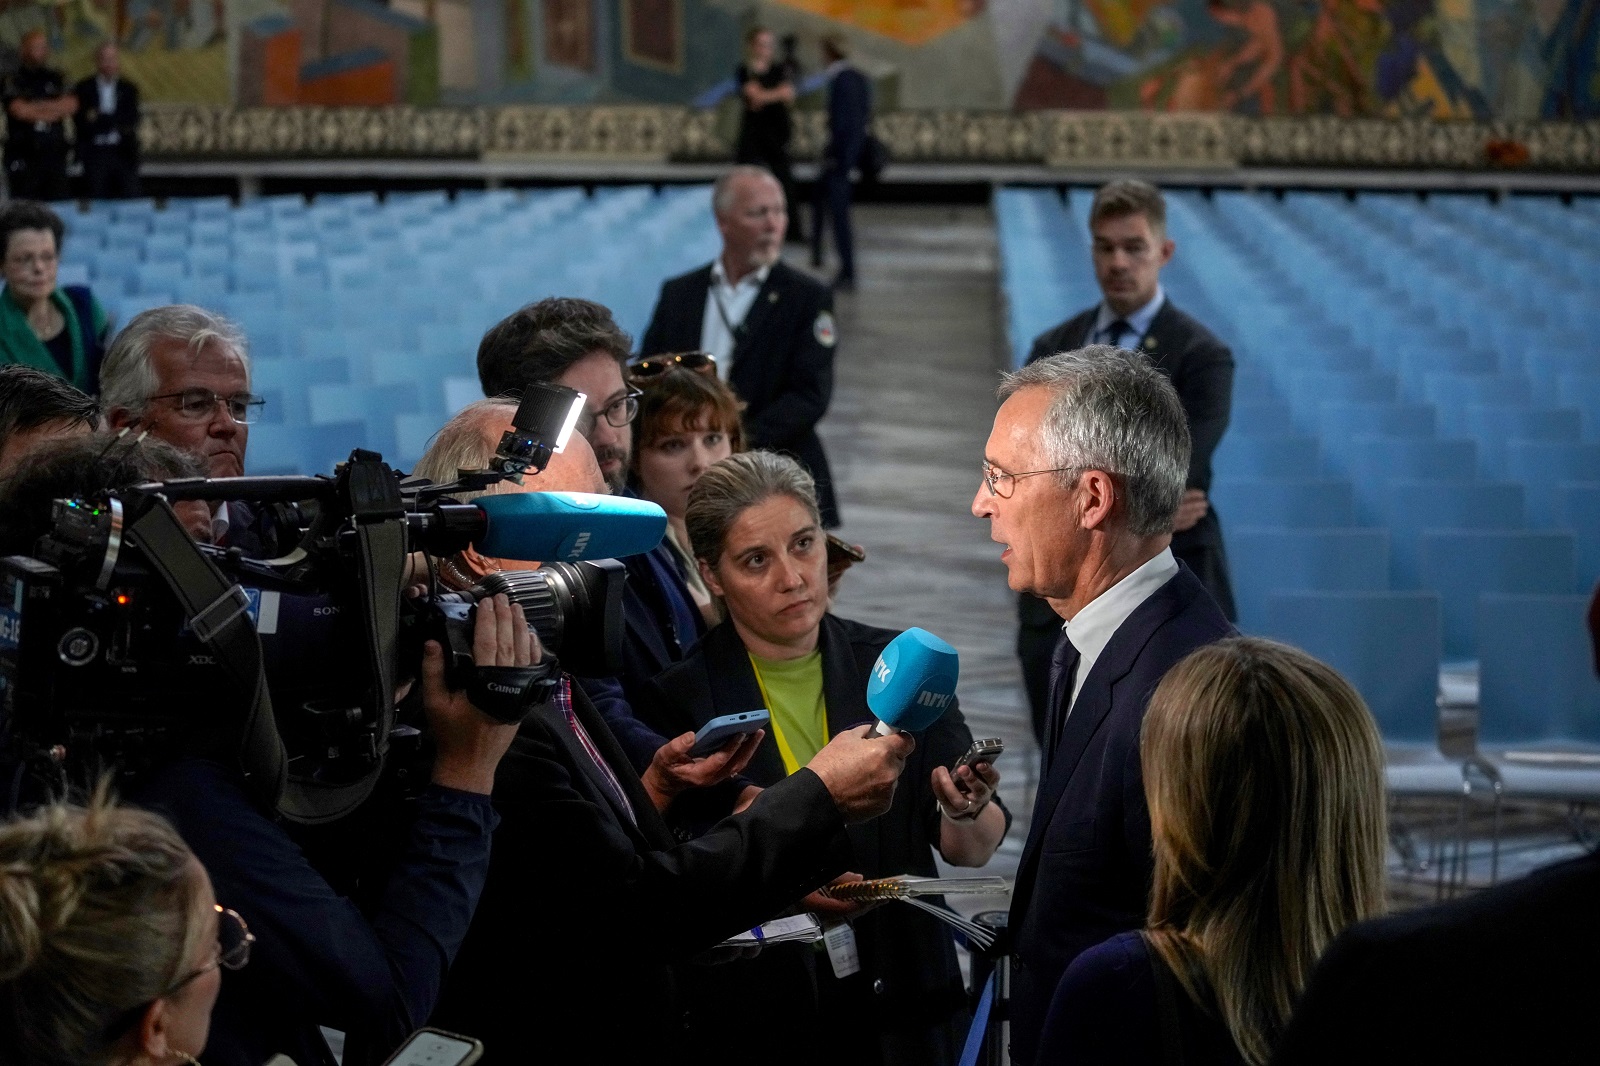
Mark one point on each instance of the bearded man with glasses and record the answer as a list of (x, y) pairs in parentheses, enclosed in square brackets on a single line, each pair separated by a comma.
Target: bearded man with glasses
[(181, 375)]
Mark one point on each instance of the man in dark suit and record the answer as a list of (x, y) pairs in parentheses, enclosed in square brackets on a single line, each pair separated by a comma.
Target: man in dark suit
[(1128, 225), (849, 112), (107, 129), (1083, 473), (769, 326), (1507, 975), (37, 107)]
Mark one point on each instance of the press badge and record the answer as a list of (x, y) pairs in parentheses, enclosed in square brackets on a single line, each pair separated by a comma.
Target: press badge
[(842, 955)]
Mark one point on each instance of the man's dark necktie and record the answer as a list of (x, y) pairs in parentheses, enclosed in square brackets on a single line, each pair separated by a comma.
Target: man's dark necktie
[(1115, 331), (1063, 669)]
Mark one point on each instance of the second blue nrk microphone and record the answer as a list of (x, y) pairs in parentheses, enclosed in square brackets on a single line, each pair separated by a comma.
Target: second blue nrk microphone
[(912, 683)]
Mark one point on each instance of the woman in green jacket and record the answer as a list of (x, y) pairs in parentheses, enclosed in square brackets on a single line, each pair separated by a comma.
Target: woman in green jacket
[(58, 330)]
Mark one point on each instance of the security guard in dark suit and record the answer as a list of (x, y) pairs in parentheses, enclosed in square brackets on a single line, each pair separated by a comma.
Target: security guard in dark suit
[(769, 326), (37, 107), (107, 129), (1128, 225)]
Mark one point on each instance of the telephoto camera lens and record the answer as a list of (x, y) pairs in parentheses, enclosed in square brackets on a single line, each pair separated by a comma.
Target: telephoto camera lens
[(576, 608)]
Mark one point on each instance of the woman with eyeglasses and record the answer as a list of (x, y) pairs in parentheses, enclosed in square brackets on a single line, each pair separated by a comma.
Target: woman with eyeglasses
[(756, 533), (111, 942), (60, 330)]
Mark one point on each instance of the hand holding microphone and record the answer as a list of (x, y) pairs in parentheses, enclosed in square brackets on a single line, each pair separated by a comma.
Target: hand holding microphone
[(912, 684)]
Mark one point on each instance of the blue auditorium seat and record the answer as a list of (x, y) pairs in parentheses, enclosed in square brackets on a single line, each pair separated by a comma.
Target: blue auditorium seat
[(1265, 561), (1543, 465), (1494, 428), (1546, 367), (1452, 394), (1309, 390), (286, 383), (1372, 461), (1536, 678), (1240, 456), (1298, 504), (302, 449), (1409, 507), (1387, 644), (1578, 512), (1380, 419), (1582, 393), (1464, 564), (1415, 366)]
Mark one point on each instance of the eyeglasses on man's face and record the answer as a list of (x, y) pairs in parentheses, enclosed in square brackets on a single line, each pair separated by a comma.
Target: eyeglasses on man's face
[(1002, 484), (618, 412), (198, 405)]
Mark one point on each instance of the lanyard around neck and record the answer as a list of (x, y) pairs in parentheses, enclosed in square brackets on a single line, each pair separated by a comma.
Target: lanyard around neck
[(790, 763)]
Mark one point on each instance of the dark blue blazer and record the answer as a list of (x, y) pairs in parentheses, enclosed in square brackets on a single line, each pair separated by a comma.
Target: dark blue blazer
[(849, 111), (1085, 870)]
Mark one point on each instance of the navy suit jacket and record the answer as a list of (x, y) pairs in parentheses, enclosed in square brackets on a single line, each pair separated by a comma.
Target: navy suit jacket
[(1085, 870), (849, 111)]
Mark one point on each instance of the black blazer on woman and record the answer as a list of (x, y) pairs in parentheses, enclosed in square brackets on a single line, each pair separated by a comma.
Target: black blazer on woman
[(908, 997)]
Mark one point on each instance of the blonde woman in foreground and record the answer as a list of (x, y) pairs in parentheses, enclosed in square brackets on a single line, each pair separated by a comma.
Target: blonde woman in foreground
[(111, 942), (1263, 771)]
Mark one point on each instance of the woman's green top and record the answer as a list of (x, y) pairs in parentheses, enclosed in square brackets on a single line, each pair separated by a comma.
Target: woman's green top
[(19, 344)]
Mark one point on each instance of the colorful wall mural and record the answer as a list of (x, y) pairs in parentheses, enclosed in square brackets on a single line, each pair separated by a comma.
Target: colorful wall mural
[(1484, 59)]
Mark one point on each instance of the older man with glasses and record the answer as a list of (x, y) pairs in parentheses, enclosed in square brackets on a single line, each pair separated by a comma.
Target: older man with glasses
[(180, 374)]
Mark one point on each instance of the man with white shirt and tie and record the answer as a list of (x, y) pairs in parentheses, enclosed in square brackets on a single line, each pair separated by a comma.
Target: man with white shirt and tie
[(1128, 224), (1083, 475), (107, 129), (769, 326)]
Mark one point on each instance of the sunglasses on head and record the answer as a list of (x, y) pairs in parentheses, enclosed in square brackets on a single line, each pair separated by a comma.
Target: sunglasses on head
[(651, 367)]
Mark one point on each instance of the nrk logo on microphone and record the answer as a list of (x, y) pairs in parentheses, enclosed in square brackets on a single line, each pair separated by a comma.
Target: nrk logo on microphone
[(914, 681)]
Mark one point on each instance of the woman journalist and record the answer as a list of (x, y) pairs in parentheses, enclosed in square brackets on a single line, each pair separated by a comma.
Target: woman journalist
[(60, 330), (1263, 771), (112, 945), (753, 522), (688, 420)]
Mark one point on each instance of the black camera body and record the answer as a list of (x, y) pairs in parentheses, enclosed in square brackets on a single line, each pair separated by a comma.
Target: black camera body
[(124, 643)]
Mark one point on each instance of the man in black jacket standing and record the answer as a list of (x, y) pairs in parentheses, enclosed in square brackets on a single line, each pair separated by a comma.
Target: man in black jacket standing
[(107, 129), (37, 107), (1128, 222), (769, 326)]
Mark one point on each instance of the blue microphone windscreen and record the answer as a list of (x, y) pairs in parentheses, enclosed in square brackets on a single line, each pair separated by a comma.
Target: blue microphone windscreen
[(914, 681), (568, 526)]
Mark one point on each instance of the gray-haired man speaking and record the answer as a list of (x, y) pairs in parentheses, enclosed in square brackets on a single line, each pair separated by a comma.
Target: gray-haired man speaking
[(1083, 473)]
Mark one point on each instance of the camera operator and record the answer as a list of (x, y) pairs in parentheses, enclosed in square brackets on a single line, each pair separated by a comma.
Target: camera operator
[(593, 910), (578, 344), (111, 941), (321, 959), (468, 442), (36, 407), (182, 374), (88, 467)]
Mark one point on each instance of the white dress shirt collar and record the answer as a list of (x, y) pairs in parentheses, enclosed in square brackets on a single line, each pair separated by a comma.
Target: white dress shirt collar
[(727, 305), (1140, 320), (1092, 628)]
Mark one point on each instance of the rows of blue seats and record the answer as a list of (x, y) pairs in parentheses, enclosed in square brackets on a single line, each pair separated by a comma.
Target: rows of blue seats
[(1416, 427), (363, 315)]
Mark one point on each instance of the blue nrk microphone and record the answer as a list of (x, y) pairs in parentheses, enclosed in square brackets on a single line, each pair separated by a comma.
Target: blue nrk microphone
[(568, 526), (912, 683)]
